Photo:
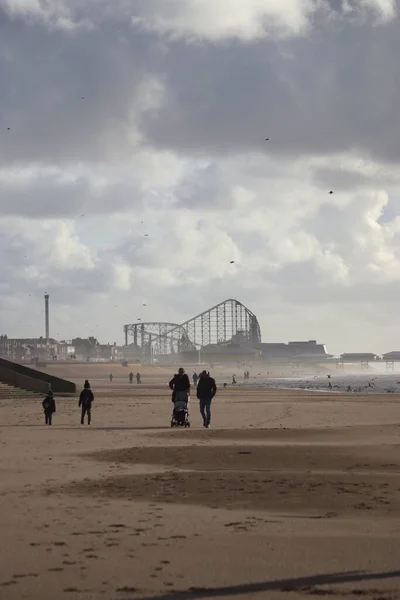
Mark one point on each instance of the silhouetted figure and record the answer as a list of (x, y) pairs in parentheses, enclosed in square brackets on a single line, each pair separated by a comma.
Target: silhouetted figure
[(130, 377), (225, 384), (85, 401), (195, 378), (111, 377), (233, 379), (138, 379), (330, 385), (180, 386), (206, 390), (49, 407)]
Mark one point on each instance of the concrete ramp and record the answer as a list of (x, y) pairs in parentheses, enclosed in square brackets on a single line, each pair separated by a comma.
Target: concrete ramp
[(27, 378)]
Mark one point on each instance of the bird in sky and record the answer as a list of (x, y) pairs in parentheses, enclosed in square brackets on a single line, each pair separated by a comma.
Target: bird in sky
[(331, 192), (232, 262), (267, 139)]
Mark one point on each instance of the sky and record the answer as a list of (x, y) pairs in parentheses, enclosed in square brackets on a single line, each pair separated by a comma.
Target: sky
[(134, 166)]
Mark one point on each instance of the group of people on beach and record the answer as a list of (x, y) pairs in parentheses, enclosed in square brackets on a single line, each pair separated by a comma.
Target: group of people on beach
[(86, 399), (179, 384), (205, 391), (131, 376)]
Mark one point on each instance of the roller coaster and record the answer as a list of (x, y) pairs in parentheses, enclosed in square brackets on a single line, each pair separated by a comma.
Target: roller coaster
[(229, 321)]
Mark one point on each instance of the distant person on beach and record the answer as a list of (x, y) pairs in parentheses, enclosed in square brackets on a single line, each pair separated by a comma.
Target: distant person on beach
[(206, 390), (49, 407), (195, 378), (180, 384), (130, 377), (233, 379), (111, 377), (138, 379), (85, 401)]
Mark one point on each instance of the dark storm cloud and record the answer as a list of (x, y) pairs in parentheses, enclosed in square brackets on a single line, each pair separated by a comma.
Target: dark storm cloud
[(46, 73), (336, 90)]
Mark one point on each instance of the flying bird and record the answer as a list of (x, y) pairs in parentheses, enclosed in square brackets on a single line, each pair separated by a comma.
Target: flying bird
[(331, 192), (8, 128), (146, 235), (144, 304), (82, 215), (267, 139), (232, 262)]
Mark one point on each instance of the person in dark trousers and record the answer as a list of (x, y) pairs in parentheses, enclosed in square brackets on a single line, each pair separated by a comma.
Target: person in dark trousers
[(130, 377), (206, 390), (138, 378), (111, 377), (85, 401), (180, 383), (195, 378), (49, 407)]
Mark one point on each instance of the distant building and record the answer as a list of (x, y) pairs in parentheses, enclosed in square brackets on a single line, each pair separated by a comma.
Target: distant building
[(309, 351), (393, 356), (27, 349), (354, 357)]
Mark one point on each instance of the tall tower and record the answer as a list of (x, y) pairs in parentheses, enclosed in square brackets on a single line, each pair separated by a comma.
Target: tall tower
[(46, 313)]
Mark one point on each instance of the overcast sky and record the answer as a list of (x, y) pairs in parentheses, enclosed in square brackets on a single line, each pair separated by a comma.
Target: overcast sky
[(121, 118)]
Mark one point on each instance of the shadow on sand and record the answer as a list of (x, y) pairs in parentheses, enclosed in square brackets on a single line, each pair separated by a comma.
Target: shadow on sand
[(282, 585)]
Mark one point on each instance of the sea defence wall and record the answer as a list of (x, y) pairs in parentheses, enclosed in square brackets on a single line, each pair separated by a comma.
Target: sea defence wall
[(23, 382), (33, 380)]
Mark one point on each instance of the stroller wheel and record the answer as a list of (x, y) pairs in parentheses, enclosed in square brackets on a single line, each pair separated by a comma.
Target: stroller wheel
[(172, 424), (187, 424)]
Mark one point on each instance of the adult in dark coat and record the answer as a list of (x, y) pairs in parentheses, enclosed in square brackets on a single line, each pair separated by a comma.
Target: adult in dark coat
[(180, 385), (206, 390), (49, 407), (86, 400)]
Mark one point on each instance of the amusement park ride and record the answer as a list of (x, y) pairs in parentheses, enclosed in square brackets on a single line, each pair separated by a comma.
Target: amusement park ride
[(217, 325)]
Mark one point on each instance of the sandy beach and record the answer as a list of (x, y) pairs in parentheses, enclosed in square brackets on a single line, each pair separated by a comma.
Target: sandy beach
[(290, 494)]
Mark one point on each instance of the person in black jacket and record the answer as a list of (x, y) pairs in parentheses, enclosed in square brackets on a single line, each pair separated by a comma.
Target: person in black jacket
[(85, 401), (206, 390), (180, 385), (49, 407)]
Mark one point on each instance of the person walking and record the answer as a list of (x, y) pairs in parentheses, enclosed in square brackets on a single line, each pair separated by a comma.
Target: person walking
[(138, 378), (206, 390), (49, 407), (110, 377), (195, 378), (131, 377), (180, 385), (86, 399)]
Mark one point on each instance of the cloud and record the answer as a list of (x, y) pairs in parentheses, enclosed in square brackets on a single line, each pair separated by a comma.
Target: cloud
[(150, 117)]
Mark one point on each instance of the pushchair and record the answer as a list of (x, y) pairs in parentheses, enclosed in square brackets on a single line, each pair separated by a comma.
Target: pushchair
[(180, 413)]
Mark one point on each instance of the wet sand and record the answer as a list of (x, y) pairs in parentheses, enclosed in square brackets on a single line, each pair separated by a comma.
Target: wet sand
[(290, 494)]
